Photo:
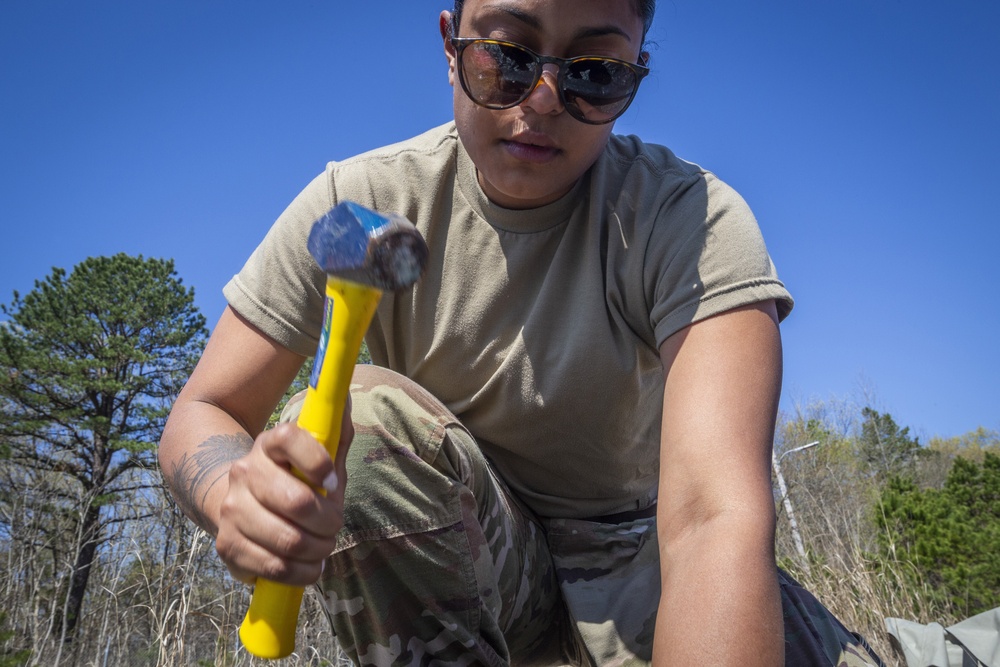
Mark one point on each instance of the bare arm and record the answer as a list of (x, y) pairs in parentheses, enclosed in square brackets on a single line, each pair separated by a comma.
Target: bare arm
[(719, 601), (233, 478)]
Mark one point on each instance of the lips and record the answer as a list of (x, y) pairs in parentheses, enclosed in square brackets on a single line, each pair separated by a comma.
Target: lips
[(531, 147)]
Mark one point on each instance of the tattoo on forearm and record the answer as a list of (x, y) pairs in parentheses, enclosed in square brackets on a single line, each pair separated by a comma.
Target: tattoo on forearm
[(195, 475)]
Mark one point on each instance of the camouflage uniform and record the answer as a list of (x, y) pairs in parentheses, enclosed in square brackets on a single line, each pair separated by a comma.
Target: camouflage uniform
[(439, 564)]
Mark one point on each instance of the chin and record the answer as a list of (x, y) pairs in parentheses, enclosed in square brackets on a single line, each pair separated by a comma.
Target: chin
[(511, 195)]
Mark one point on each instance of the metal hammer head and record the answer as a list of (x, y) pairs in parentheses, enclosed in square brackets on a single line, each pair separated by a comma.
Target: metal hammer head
[(360, 245)]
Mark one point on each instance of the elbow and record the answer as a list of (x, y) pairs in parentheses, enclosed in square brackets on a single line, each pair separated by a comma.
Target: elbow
[(170, 437), (699, 524)]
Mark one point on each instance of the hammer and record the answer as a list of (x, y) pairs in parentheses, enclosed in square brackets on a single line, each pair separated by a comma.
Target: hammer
[(364, 254)]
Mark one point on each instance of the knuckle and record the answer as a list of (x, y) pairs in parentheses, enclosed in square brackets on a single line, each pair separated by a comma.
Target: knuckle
[(275, 568), (227, 509), (240, 469), (280, 432), (328, 524), (290, 543), (226, 547), (277, 439), (300, 500)]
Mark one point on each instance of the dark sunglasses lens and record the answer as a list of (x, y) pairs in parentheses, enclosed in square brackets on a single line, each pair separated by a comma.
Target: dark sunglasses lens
[(599, 90), (497, 75)]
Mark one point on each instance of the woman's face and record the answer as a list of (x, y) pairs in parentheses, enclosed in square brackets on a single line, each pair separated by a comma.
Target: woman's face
[(534, 153)]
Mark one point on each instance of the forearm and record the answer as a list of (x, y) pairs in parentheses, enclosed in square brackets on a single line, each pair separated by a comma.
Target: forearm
[(719, 602), (199, 444), (224, 406)]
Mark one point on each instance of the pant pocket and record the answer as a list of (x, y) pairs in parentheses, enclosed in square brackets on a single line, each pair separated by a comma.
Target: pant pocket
[(610, 578)]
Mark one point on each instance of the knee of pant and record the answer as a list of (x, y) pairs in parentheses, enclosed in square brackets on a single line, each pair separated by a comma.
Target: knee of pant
[(391, 408), (396, 479), (409, 458)]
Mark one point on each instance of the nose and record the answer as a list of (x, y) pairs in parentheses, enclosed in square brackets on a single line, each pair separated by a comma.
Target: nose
[(544, 99)]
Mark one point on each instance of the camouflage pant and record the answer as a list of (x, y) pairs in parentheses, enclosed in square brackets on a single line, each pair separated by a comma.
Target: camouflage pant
[(439, 564)]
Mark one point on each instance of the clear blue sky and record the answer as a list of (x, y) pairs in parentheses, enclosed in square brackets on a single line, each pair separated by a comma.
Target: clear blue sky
[(865, 134)]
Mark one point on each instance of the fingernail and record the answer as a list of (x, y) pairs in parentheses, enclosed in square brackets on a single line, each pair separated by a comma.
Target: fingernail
[(330, 483)]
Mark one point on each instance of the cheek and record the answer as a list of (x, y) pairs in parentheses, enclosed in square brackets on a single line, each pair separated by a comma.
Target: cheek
[(591, 142), (473, 122)]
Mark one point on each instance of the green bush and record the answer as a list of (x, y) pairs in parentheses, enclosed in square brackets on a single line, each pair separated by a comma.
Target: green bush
[(951, 534)]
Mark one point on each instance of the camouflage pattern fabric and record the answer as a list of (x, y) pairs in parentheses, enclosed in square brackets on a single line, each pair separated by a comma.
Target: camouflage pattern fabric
[(609, 575), (439, 564)]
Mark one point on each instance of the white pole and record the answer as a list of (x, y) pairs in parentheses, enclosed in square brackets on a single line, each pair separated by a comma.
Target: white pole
[(787, 502)]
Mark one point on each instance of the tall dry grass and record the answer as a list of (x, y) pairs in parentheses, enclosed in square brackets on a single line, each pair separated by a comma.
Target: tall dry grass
[(836, 505), (160, 597), (862, 590)]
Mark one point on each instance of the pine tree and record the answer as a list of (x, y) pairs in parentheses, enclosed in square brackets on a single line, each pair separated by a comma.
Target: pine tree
[(885, 449), (89, 364), (951, 535)]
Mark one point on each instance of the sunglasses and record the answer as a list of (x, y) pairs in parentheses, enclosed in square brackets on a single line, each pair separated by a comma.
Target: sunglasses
[(501, 75)]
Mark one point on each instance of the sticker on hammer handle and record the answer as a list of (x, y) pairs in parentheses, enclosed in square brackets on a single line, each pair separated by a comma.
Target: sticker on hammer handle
[(323, 339)]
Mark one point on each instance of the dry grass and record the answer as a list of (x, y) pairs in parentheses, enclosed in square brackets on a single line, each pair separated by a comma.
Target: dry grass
[(185, 610), (846, 569), (160, 597), (862, 591)]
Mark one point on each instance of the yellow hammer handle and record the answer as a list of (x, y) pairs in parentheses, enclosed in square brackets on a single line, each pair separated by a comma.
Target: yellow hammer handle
[(268, 631)]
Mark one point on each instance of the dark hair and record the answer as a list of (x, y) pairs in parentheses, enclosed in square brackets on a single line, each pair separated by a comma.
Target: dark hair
[(644, 8)]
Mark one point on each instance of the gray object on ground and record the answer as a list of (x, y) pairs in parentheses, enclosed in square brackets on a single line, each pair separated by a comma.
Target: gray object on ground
[(973, 642)]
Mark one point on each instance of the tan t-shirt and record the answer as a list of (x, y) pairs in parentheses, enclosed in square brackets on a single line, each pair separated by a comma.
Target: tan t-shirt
[(539, 329)]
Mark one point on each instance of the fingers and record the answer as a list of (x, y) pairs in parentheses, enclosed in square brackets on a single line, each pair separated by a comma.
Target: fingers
[(274, 524), (248, 560), (291, 447)]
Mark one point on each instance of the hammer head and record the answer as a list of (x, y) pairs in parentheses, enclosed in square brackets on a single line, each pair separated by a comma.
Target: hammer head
[(360, 245)]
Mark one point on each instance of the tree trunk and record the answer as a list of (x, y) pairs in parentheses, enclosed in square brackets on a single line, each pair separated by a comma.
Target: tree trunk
[(81, 571)]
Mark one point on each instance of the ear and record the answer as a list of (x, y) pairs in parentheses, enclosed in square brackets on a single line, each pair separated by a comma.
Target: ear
[(444, 24), (644, 58)]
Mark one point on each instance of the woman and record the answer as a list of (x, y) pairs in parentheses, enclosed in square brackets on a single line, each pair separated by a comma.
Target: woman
[(562, 453)]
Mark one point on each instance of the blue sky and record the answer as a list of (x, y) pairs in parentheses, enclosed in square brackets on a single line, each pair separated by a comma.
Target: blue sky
[(863, 133)]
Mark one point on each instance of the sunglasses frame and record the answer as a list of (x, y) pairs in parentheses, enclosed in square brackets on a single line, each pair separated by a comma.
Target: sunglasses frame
[(460, 44)]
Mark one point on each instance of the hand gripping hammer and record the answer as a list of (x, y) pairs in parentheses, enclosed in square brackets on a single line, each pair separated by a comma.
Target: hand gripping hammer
[(364, 253)]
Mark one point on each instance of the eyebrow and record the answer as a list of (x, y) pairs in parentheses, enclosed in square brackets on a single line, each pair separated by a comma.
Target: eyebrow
[(532, 21)]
